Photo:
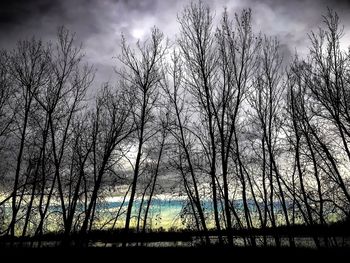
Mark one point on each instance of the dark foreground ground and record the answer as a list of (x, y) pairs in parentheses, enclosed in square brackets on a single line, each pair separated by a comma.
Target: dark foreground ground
[(179, 246), (198, 254)]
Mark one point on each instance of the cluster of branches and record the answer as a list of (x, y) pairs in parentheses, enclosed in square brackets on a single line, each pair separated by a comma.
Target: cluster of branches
[(264, 144)]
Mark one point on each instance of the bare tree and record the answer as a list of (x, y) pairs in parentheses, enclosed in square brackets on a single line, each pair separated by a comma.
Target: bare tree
[(7, 116), (141, 76), (197, 44), (111, 126), (238, 47), (302, 145), (326, 76), (6, 97), (183, 147), (28, 67), (267, 103), (61, 99)]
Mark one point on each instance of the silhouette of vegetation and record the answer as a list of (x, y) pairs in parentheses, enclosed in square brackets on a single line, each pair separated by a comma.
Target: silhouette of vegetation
[(256, 149)]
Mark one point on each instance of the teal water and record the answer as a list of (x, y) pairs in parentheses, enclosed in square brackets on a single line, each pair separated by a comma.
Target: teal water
[(163, 213)]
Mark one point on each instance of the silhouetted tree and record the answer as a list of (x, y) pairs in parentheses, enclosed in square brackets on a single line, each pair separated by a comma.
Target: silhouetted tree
[(141, 76)]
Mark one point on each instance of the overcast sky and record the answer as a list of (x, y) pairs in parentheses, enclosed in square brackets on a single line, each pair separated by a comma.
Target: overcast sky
[(99, 23)]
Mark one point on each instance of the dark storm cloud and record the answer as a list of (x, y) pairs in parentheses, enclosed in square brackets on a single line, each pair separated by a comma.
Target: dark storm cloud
[(17, 12), (98, 24), (21, 18)]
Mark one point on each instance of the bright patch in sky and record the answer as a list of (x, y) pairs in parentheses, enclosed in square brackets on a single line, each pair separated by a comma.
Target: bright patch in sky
[(137, 33)]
